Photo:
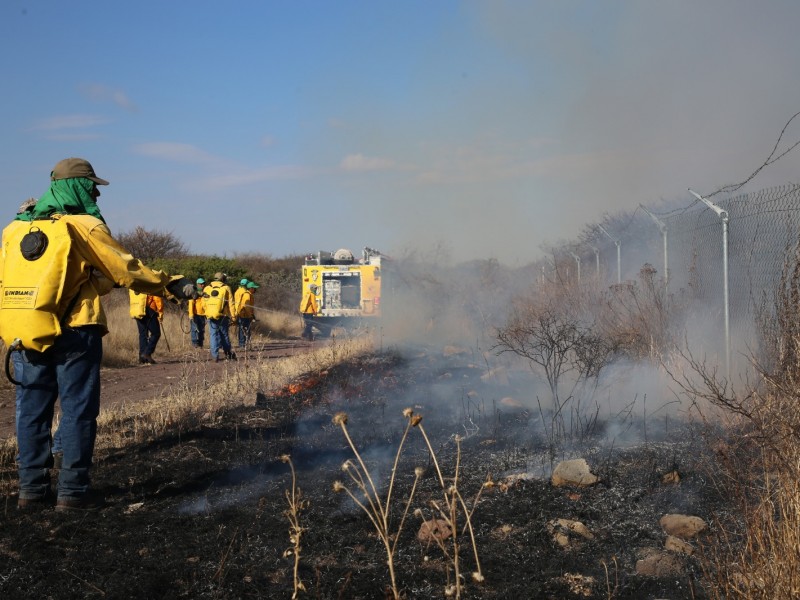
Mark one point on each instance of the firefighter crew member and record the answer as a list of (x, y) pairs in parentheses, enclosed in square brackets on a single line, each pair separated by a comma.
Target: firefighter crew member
[(218, 302), (16, 357), (244, 301), (237, 296), (56, 262), (308, 308), (148, 312), (197, 315)]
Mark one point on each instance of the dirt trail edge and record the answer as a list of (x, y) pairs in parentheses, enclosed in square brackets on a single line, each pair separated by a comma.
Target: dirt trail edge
[(142, 382)]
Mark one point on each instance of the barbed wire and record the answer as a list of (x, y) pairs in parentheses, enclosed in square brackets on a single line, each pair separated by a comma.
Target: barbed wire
[(770, 160)]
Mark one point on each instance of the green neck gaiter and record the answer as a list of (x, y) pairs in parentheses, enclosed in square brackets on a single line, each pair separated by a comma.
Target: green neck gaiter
[(66, 197)]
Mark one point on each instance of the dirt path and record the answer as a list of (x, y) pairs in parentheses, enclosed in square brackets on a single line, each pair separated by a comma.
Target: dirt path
[(142, 382)]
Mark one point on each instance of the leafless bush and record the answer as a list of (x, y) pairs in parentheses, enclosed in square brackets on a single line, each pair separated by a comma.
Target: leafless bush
[(150, 244), (553, 330), (571, 330), (555, 342), (638, 320)]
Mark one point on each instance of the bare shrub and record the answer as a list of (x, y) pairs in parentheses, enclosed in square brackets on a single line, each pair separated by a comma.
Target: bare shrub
[(570, 331), (638, 320), (554, 331), (150, 244), (778, 323)]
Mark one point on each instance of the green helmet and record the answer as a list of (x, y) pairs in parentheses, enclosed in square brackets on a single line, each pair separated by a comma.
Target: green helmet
[(200, 281)]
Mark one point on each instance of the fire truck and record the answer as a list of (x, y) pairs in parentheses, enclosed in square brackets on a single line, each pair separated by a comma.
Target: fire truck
[(348, 290)]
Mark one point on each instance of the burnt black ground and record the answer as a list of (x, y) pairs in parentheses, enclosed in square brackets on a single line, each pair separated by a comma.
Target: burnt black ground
[(202, 515)]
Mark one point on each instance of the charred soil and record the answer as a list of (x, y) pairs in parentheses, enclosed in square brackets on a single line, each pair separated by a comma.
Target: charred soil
[(204, 515)]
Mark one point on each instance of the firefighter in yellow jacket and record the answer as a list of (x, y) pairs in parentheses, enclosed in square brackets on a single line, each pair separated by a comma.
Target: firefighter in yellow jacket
[(218, 302), (56, 262), (148, 312), (197, 315), (308, 308), (244, 308)]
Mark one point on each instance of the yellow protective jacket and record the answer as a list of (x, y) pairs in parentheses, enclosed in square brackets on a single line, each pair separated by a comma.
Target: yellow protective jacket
[(218, 300), (243, 302), (62, 287), (308, 305), (138, 307), (196, 307), (141, 302)]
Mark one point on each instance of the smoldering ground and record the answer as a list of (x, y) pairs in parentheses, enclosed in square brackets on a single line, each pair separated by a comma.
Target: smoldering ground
[(203, 514)]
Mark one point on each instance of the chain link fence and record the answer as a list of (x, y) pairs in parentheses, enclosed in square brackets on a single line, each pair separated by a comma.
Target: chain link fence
[(762, 235)]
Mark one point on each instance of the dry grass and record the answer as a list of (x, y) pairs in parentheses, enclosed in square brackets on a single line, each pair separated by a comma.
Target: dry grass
[(756, 550), (194, 400)]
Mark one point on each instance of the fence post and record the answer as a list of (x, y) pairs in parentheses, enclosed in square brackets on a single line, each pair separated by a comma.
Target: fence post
[(662, 227), (722, 214), (596, 261), (577, 262), (619, 261)]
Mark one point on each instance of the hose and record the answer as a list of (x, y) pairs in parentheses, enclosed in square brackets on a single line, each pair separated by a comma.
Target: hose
[(184, 315), (16, 346)]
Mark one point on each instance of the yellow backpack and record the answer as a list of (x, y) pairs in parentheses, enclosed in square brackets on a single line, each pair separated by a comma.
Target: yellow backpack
[(32, 305), (214, 299), (138, 304)]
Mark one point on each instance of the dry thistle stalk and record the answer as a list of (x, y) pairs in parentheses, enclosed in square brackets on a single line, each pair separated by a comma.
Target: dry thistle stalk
[(377, 510), (449, 512), (294, 497)]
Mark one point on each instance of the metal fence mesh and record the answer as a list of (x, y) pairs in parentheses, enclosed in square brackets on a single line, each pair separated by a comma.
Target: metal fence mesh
[(763, 232)]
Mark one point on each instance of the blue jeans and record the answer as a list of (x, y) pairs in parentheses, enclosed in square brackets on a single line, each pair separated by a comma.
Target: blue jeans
[(69, 370), (18, 360), (197, 327), (218, 334), (149, 332), (244, 330)]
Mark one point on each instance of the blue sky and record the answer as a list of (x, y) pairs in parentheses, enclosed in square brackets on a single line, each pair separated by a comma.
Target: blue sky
[(485, 129)]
